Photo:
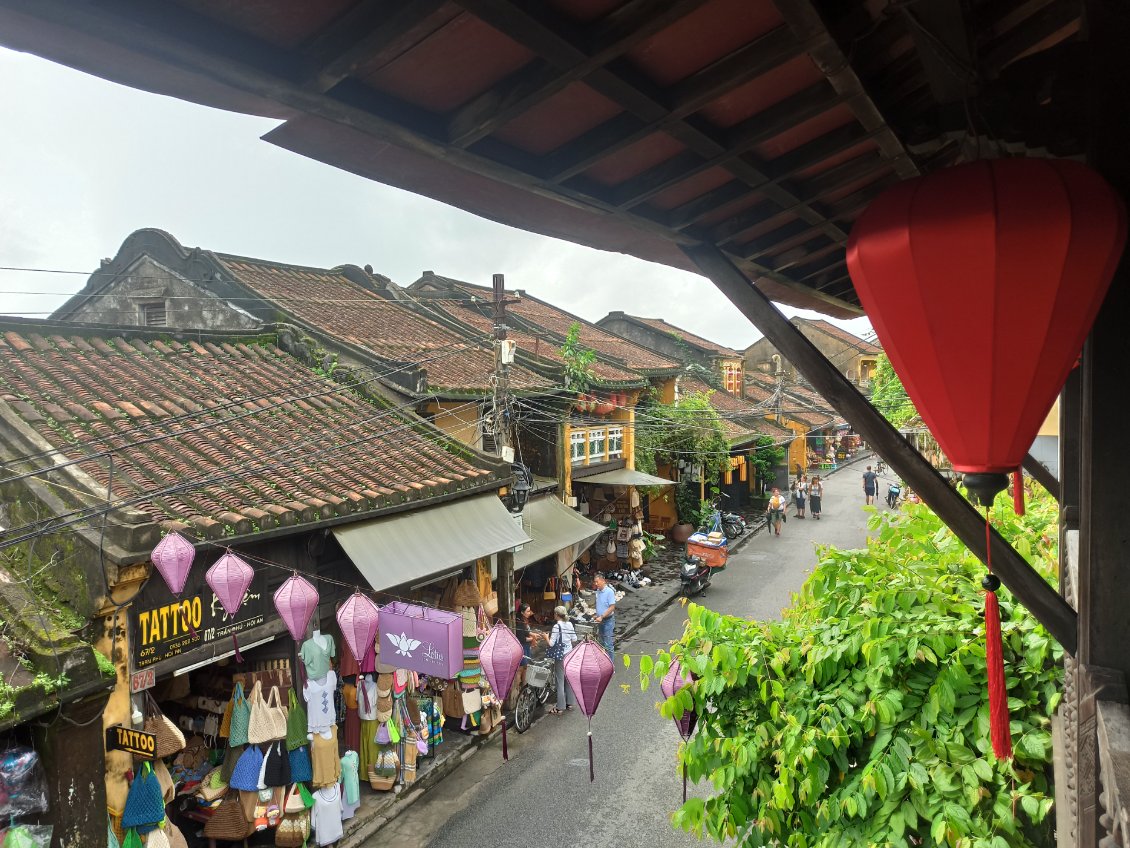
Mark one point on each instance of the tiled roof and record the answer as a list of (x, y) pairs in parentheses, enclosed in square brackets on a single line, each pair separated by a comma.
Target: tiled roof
[(741, 419), (244, 437), (861, 345), (558, 321), (390, 329), (794, 406), (691, 338)]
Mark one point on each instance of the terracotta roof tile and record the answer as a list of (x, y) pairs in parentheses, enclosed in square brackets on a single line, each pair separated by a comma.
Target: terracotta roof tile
[(699, 341), (861, 345), (741, 419), (342, 453)]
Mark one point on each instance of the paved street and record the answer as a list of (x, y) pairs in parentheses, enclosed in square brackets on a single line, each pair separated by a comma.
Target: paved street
[(543, 796)]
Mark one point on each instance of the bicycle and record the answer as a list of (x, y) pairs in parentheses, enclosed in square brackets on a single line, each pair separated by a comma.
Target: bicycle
[(540, 686)]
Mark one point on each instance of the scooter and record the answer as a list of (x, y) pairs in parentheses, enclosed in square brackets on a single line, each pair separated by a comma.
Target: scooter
[(695, 576), (893, 494)]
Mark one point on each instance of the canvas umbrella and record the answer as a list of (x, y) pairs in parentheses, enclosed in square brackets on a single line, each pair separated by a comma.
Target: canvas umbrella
[(982, 282), (296, 599), (229, 578), (673, 681), (173, 558), (588, 670), (499, 656), (358, 619)]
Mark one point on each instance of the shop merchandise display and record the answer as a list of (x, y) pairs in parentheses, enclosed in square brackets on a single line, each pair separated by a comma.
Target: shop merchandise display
[(26, 836), (326, 815), (23, 786)]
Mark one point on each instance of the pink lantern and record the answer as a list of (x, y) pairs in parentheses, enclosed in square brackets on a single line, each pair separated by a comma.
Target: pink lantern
[(358, 618), (588, 670), (673, 681), (229, 578), (173, 558), (296, 599), (500, 655)]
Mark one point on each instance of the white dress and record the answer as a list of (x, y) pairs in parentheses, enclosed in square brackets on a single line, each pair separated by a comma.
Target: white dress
[(325, 817), (320, 711)]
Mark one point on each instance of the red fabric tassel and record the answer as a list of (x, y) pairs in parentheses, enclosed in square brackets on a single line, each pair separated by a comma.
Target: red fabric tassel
[(1018, 492), (592, 772), (998, 695), (238, 655), (505, 752)]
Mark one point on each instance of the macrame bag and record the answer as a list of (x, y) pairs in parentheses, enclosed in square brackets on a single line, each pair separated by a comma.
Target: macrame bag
[(246, 773), (145, 806), (240, 717), (268, 719), (295, 724), (301, 768), (170, 739), (293, 830)]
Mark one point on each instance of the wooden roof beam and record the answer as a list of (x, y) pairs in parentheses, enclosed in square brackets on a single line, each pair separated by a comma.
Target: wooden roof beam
[(1017, 41)]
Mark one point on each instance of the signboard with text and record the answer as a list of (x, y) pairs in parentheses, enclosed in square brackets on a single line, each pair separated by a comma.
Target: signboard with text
[(162, 626), (119, 738)]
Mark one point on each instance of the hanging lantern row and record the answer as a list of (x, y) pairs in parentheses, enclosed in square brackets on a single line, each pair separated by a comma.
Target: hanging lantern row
[(588, 670), (673, 682), (499, 656), (295, 600)]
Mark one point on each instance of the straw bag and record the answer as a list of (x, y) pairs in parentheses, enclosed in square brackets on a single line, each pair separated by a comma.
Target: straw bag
[(212, 786), (144, 804), (240, 717), (225, 722), (158, 838), (293, 830), (383, 773), (490, 604), (228, 822), (295, 724), (168, 788), (293, 801), (170, 740), (268, 718), (467, 594)]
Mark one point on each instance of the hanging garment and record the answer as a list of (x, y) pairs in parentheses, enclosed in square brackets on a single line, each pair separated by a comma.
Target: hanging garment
[(325, 817), (352, 719), (316, 653), (367, 697), (368, 750), (325, 759), (319, 696), (350, 784)]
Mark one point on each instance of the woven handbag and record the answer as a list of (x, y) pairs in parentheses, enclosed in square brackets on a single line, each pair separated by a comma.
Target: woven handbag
[(268, 719), (170, 740), (231, 757), (225, 722), (276, 765), (295, 724), (158, 838), (293, 830), (467, 594), (245, 776), (168, 788), (228, 822), (144, 804), (240, 717), (301, 769), (277, 714), (212, 786), (292, 801), (490, 604)]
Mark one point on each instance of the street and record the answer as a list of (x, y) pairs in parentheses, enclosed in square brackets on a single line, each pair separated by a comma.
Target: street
[(542, 796)]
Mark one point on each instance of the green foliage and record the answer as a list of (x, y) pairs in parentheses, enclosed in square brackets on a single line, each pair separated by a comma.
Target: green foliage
[(653, 544), (690, 429), (862, 717), (889, 396), (766, 456), (578, 361)]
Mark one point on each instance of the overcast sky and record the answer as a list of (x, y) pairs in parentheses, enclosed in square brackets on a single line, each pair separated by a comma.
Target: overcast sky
[(85, 162)]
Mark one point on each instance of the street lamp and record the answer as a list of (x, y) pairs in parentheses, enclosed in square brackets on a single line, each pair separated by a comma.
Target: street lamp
[(520, 489)]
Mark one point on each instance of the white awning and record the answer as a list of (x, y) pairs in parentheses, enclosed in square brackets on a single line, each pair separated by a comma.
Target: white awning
[(554, 527), (625, 477), (412, 546)]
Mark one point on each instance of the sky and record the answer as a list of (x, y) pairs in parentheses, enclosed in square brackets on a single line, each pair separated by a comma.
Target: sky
[(85, 162)]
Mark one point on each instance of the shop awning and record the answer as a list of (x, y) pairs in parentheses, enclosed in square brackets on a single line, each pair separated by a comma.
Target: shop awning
[(413, 546), (554, 527), (626, 477)]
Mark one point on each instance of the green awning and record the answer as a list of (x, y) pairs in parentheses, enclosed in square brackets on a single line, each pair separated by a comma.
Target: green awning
[(626, 477), (554, 527), (411, 547)]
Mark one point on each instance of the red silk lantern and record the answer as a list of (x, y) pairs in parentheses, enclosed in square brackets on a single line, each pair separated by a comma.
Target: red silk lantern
[(229, 578), (296, 599), (358, 619), (673, 681), (982, 282), (500, 655), (588, 670)]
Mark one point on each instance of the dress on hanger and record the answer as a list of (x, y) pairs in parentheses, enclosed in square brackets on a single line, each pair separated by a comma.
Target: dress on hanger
[(325, 817), (350, 785)]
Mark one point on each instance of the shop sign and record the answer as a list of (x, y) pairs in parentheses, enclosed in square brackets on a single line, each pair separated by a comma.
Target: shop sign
[(119, 738), (422, 639), (164, 627), (142, 680)]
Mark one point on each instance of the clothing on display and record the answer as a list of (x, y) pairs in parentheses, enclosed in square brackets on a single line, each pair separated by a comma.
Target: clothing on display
[(319, 696), (325, 817), (324, 755), (316, 653)]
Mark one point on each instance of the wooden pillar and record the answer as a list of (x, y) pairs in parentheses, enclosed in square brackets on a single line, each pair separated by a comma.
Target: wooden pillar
[(506, 587), (957, 513)]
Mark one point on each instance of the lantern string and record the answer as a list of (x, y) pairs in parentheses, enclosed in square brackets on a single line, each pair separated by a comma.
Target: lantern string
[(994, 656)]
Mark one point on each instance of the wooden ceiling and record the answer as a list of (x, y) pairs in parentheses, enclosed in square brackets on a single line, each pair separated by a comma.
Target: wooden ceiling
[(763, 127)]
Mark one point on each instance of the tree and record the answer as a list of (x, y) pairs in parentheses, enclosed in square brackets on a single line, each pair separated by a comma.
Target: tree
[(578, 361), (689, 429), (889, 396), (862, 717), (766, 456)]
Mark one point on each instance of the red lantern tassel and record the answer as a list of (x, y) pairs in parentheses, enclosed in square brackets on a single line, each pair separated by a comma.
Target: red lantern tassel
[(238, 655), (592, 772), (505, 752), (1018, 492), (994, 661)]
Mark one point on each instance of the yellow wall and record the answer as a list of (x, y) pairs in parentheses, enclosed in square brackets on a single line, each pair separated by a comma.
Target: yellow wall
[(798, 447), (1050, 427), (625, 418), (458, 420)]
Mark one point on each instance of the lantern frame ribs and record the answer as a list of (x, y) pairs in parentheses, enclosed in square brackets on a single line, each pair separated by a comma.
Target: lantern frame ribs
[(1025, 583)]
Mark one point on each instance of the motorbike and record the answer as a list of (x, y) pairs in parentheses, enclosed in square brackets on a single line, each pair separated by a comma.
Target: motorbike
[(695, 576), (730, 523), (894, 492), (880, 466)]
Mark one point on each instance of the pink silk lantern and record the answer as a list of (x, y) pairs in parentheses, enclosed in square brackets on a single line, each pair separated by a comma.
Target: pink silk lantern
[(229, 578), (674, 681), (500, 655), (358, 618), (296, 599), (588, 670), (173, 558)]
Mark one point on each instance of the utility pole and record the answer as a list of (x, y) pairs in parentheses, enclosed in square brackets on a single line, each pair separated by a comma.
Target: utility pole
[(500, 424)]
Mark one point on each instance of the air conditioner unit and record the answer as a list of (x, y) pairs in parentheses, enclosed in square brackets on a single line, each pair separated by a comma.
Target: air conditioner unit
[(506, 350)]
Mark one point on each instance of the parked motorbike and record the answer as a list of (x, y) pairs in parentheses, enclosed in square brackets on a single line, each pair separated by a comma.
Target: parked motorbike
[(880, 466), (730, 523), (695, 576), (894, 492)]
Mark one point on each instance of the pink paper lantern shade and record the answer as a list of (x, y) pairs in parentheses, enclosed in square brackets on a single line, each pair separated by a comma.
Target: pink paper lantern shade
[(588, 670), (358, 618), (674, 680), (500, 655), (173, 558), (296, 599), (229, 578)]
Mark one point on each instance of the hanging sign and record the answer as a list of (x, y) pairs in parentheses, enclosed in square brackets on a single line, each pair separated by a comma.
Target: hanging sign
[(119, 738), (163, 626), (139, 681), (422, 639)]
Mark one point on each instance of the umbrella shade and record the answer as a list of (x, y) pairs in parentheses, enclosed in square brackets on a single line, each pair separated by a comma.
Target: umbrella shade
[(229, 578), (296, 599), (173, 558)]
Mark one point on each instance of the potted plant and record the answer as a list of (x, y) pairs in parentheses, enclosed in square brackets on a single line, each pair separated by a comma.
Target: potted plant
[(688, 511)]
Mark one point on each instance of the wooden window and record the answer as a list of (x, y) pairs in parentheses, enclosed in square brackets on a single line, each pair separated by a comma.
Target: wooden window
[(577, 446), (598, 440), (615, 442), (153, 314), (732, 377)]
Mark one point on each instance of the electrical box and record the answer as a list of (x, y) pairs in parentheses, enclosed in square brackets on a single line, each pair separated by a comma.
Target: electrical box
[(508, 454), (506, 351), (517, 517)]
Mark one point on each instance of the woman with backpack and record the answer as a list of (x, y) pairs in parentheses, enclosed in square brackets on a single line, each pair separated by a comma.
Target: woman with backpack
[(561, 640)]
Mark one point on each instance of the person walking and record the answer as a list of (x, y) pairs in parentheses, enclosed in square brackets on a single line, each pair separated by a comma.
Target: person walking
[(815, 496), (775, 510), (605, 611), (870, 482), (801, 495), (561, 640)]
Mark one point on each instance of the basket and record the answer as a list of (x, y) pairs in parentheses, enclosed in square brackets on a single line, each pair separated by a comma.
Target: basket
[(582, 629), (537, 675), (713, 555)]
